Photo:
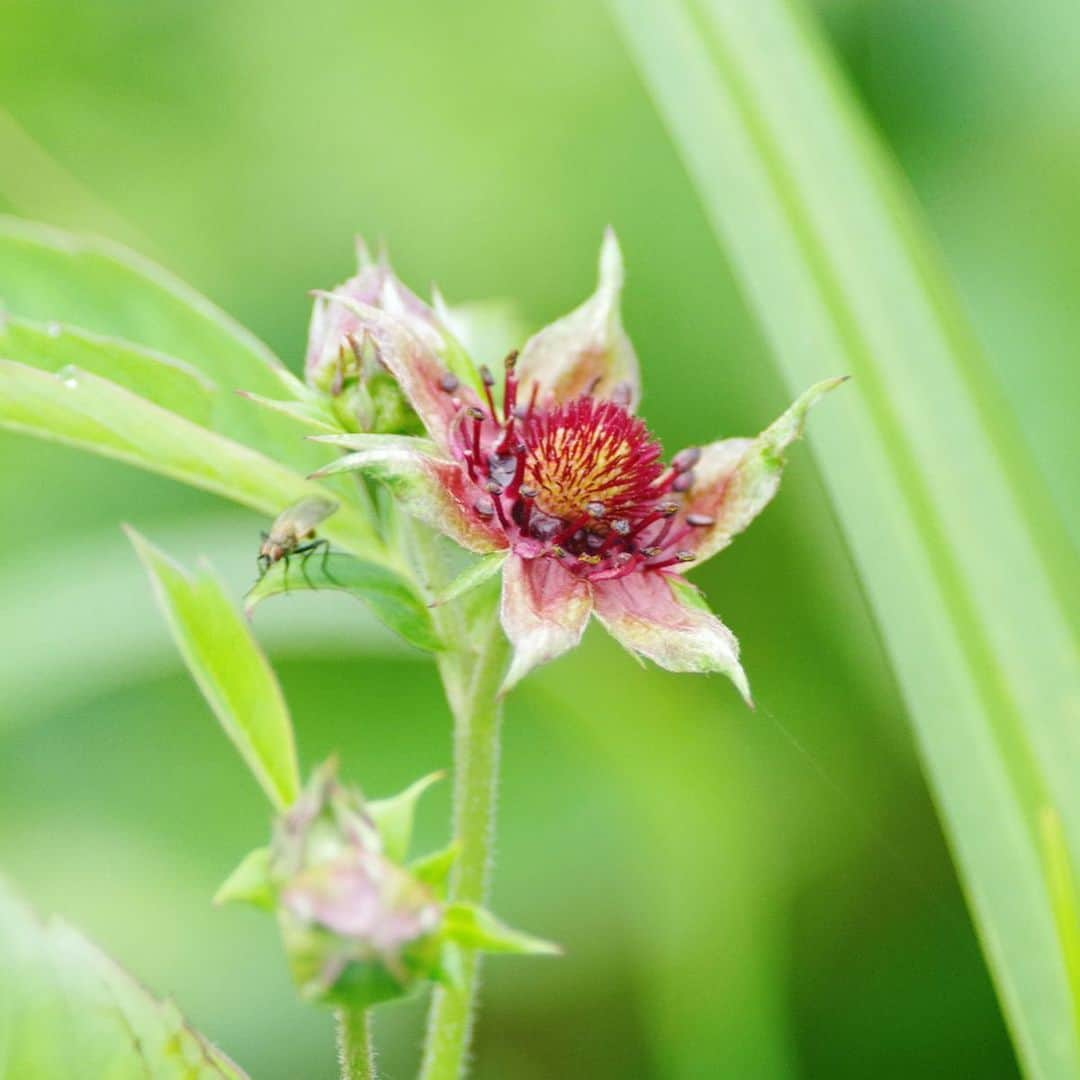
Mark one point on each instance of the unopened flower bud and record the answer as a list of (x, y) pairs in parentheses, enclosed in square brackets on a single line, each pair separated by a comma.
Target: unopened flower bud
[(357, 928), (343, 358)]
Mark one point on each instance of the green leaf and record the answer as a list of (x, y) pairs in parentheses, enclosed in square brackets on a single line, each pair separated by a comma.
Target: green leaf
[(475, 928), (389, 595), (66, 1010), (434, 870), (476, 573), (53, 276), (249, 883), (170, 383), (81, 409), (394, 817), (229, 668), (947, 520)]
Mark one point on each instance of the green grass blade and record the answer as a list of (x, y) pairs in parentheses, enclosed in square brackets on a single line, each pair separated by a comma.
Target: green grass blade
[(390, 596), (83, 410), (51, 276), (230, 669), (67, 1010), (958, 549), (1062, 885)]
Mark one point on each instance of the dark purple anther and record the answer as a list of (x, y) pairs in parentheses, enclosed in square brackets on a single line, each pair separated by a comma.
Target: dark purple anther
[(686, 459), (448, 382)]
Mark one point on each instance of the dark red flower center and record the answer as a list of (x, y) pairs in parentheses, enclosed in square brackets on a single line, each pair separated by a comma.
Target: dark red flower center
[(583, 482)]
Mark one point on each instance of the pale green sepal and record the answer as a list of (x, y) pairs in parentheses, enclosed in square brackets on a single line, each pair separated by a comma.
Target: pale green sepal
[(477, 573), (434, 870), (309, 413), (737, 478), (587, 351), (476, 928), (394, 817), (249, 883), (364, 440), (428, 488)]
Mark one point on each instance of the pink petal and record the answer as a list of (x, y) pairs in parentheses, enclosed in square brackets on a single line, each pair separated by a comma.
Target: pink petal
[(735, 479), (586, 351), (544, 612), (665, 619), (431, 490)]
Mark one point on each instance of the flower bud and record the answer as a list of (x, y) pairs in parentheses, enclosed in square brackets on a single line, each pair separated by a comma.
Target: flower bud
[(342, 360), (356, 927)]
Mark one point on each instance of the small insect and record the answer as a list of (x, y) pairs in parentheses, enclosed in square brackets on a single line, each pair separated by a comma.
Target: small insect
[(293, 533)]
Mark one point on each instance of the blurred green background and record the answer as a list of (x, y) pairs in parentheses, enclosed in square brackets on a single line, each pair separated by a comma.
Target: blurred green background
[(743, 895)]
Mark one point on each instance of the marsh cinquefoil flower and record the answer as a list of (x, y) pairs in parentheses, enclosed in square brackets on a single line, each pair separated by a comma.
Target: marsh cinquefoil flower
[(553, 468)]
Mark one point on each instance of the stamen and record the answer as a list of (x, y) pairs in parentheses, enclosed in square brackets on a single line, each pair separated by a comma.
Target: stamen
[(502, 514), (686, 459), (700, 521), (448, 382), (484, 507), (596, 509), (532, 402), (679, 557), (510, 385), (489, 381), (519, 470), (661, 536), (478, 422), (470, 465), (683, 482), (525, 502)]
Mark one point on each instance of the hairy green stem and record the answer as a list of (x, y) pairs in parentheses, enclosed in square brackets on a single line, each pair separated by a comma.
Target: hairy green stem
[(472, 671), (356, 1051), (476, 764)]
